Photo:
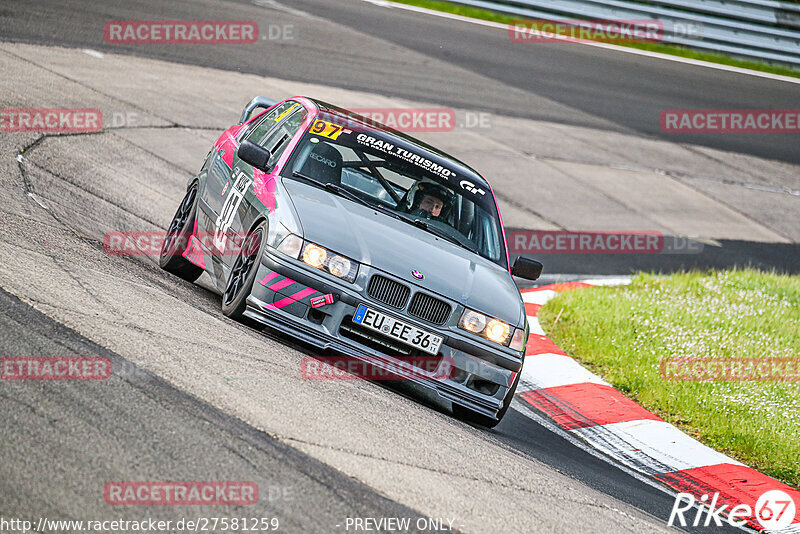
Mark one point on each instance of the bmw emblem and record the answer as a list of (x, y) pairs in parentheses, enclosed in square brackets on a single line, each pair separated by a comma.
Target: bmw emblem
[(418, 275)]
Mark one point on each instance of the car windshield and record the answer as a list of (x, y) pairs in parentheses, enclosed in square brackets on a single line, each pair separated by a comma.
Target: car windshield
[(390, 173)]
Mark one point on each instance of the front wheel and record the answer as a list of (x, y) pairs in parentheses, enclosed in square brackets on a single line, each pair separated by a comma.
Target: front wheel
[(177, 239), (243, 273)]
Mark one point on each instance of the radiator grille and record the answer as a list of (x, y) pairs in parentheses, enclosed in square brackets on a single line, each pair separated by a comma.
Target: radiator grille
[(429, 308), (388, 291)]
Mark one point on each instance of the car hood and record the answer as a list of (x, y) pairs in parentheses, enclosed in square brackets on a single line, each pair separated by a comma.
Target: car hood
[(393, 246)]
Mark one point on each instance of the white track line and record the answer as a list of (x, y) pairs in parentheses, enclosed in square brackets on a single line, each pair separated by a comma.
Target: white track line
[(526, 410), (617, 281), (658, 445), (616, 48), (553, 370), (536, 328)]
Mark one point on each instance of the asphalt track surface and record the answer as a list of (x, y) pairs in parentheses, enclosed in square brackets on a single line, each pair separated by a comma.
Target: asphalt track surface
[(568, 83), (136, 419), (166, 422)]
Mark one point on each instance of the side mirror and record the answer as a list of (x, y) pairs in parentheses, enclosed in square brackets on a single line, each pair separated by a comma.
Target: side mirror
[(257, 102), (255, 155), (527, 268)]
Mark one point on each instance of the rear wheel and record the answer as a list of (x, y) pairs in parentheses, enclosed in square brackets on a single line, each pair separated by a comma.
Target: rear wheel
[(243, 274), (177, 239), (467, 415)]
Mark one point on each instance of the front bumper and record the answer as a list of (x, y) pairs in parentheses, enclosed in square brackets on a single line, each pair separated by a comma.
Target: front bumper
[(281, 297)]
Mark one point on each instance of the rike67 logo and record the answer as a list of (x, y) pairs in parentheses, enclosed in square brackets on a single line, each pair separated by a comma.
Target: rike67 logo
[(774, 510)]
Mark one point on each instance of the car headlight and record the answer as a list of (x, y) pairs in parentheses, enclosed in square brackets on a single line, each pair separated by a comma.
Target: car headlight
[(291, 245), (497, 331), (339, 266), (326, 260), (315, 255), (488, 327), (473, 321)]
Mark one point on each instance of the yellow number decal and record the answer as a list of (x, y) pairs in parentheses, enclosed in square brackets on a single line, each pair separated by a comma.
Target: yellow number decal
[(326, 129)]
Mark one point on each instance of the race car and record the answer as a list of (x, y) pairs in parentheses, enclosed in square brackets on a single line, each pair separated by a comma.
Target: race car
[(358, 239)]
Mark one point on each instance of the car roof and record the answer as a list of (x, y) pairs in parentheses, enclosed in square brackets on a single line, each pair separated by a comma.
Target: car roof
[(370, 124)]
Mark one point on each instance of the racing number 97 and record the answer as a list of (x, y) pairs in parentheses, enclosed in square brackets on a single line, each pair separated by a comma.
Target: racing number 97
[(326, 129)]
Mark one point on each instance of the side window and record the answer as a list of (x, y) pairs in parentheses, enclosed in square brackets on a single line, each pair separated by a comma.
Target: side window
[(262, 127), (278, 139)]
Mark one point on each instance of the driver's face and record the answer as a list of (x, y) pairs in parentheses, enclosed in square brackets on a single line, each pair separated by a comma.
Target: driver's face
[(432, 205)]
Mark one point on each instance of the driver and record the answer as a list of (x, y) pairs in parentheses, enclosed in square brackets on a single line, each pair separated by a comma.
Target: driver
[(431, 201)]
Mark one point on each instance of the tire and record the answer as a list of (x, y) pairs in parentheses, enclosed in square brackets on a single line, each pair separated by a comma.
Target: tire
[(468, 416), (177, 239), (243, 274)]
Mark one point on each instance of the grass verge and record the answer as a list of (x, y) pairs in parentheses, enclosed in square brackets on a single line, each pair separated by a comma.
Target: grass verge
[(673, 50), (623, 333)]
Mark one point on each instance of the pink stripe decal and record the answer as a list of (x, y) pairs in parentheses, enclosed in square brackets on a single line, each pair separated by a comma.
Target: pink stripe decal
[(303, 293), (265, 187), (194, 250), (269, 277), (227, 142), (280, 284)]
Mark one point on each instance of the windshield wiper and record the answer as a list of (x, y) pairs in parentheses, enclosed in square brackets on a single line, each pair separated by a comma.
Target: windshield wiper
[(440, 233), (341, 191)]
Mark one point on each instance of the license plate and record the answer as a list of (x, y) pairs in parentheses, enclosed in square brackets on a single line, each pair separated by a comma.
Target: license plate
[(397, 329)]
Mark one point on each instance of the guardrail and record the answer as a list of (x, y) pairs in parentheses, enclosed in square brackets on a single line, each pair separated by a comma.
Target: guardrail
[(755, 29)]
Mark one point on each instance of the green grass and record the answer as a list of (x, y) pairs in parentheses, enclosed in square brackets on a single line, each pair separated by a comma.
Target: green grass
[(673, 50), (623, 333)]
